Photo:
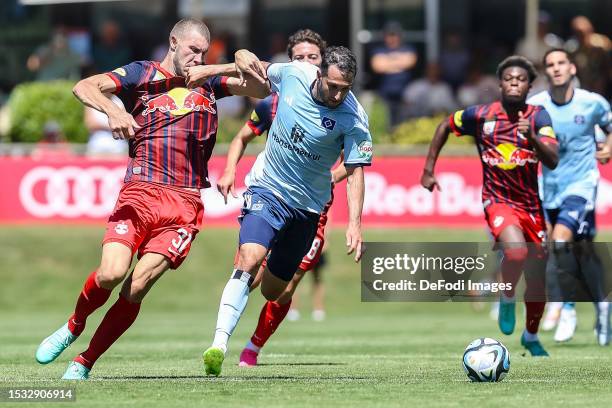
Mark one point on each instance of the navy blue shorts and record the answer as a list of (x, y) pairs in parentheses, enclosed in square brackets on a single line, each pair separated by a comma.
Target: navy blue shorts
[(285, 231), (577, 215)]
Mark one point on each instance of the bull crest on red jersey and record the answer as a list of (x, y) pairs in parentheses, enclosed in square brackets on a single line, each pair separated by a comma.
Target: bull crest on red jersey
[(179, 102), (507, 156)]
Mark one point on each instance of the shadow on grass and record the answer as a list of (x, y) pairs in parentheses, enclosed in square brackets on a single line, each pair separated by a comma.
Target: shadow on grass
[(301, 364), (228, 378), (154, 377)]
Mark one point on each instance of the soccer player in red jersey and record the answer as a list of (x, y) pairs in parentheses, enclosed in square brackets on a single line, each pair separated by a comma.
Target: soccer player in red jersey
[(512, 138), (172, 130), (304, 45)]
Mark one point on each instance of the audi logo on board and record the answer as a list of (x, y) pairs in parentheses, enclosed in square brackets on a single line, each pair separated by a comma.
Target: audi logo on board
[(71, 191)]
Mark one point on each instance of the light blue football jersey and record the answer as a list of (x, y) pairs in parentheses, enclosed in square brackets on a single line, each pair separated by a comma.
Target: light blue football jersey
[(306, 139), (574, 124)]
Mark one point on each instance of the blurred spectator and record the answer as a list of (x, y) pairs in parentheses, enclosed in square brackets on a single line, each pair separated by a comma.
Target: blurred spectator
[(545, 40), (429, 95), (278, 48), (392, 63), (55, 60), (539, 84), (591, 54), (479, 88), (454, 60), (221, 49), (217, 51), (53, 144), (79, 42), (109, 52), (101, 141)]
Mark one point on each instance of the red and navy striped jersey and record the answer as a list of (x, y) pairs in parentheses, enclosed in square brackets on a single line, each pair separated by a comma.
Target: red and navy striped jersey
[(509, 162), (263, 114), (178, 126)]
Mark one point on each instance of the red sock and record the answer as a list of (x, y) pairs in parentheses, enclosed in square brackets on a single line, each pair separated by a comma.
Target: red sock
[(534, 315), (92, 297), (117, 320), (512, 267), (271, 316)]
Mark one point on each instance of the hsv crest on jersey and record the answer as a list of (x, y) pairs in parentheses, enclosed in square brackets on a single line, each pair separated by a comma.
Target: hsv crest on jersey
[(328, 123), (178, 102)]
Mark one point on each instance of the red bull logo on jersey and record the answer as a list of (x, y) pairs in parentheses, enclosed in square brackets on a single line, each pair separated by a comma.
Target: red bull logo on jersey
[(507, 156), (178, 102)]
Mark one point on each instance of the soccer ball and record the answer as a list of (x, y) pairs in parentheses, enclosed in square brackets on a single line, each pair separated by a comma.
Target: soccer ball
[(486, 360)]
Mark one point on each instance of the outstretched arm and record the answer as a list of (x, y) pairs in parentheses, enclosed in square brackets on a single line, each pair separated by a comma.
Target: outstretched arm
[(90, 91), (428, 180), (225, 185), (247, 75), (355, 188)]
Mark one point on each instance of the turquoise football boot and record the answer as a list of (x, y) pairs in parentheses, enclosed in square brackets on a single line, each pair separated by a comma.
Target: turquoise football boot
[(76, 371), (534, 347), (54, 345)]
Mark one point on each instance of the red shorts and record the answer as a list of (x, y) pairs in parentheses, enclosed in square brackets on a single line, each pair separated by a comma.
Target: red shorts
[(156, 218), (499, 216)]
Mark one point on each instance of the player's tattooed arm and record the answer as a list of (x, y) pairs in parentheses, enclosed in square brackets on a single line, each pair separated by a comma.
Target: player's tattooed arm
[(355, 189), (92, 92), (428, 180), (547, 152)]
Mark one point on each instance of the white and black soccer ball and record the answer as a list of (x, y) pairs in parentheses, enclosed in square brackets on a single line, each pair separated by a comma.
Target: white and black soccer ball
[(486, 360)]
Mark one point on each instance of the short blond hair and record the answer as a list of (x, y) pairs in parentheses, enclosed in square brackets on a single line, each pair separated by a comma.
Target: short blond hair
[(186, 24)]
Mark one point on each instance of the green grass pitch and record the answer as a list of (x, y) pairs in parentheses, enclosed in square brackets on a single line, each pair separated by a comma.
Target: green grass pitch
[(364, 354)]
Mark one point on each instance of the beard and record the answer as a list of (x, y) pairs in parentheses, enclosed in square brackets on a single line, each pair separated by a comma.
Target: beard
[(178, 68)]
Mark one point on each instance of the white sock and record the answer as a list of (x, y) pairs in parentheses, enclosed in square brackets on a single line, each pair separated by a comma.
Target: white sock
[(252, 347), (602, 307), (530, 336), (233, 302)]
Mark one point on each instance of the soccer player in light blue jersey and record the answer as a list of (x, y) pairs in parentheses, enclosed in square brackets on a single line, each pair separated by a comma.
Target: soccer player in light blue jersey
[(569, 191), (317, 117)]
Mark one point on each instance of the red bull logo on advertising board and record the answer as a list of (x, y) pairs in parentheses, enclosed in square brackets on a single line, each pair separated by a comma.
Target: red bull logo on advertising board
[(178, 102), (507, 156)]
